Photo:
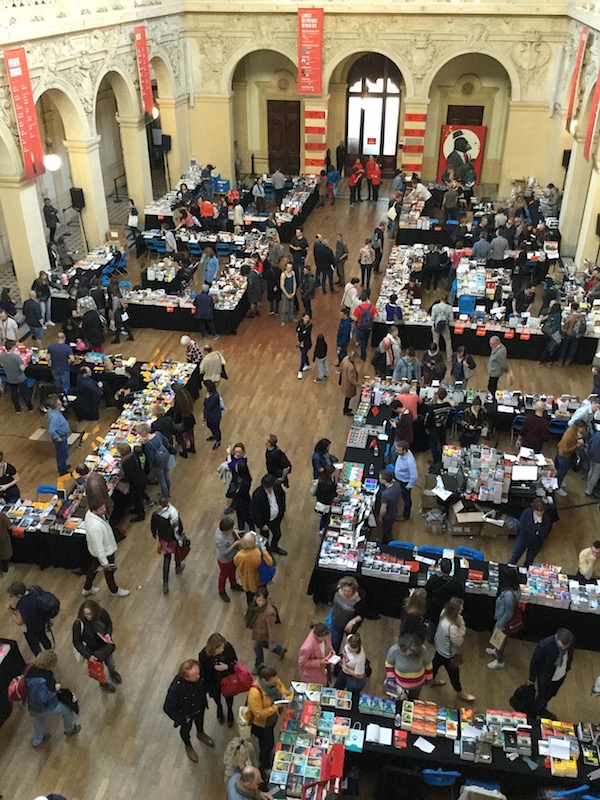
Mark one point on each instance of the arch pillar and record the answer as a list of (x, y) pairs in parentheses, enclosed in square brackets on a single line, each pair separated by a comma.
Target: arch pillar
[(173, 122), (26, 231), (574, 197), (211, 132), (588, 242), (313, 143), (86, 173), (414, 123), (136, 160)]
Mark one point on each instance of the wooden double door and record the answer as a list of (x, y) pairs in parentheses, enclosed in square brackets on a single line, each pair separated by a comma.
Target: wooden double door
[(283, 125)]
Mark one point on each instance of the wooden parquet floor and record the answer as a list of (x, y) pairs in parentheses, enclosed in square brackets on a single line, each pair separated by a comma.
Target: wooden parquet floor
[(127, 748)]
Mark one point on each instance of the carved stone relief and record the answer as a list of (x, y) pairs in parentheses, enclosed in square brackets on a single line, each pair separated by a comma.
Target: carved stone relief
[(531, 56)]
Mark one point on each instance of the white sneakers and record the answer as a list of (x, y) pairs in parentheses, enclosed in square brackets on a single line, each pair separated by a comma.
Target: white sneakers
[(121, 592), (87, 592), (299, 375), (490, 651), (561, 492), (495, 665)]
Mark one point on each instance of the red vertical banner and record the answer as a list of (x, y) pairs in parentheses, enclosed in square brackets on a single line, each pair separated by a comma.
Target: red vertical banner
[(576, 75), (141, 49), (592, 120), (310, 51), (27, 121)]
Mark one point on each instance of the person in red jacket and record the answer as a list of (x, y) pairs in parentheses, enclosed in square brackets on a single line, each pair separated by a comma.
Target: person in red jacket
[(359, 170), (375, 182), (370, 167)]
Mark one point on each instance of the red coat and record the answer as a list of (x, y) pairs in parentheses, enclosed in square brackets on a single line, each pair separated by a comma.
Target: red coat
[(370, 166), (375, 176), (310, 657)]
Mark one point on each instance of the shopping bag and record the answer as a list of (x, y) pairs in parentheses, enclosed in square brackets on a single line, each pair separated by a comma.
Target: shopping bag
[(266, 572), (96, 670), (243, 725), (497, 639), (237, 683), (516, 623)]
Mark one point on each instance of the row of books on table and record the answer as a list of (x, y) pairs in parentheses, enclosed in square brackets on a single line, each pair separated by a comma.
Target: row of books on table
[(227, 290)]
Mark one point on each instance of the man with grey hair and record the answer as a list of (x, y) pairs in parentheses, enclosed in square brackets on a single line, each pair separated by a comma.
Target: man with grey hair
[(245, 785), (551, 661), (205, 313), (497, 364)]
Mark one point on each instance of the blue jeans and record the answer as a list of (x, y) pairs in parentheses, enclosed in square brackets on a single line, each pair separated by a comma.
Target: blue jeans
[(304, 362), (351, 684), (161, 473), (322, 367), (286, 307), (62, 454), (520, 546), (363, 340), (336, 637), (259, 648), (568, 348), (37, 333), (562, 467), (62, 379), (39, 721)]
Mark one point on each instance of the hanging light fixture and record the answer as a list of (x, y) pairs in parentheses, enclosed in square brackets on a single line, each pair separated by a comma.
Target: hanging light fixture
[(52, 161), (155, 112)]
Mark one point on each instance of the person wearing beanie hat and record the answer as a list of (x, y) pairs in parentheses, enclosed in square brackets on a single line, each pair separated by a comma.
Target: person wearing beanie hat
[(193, 353), (268, 510)]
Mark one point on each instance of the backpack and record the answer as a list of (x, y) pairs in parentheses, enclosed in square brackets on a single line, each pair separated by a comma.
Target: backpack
[(580, 327), (366, 319), (48, 604), (441, 325), (375, 243), (17, 688)]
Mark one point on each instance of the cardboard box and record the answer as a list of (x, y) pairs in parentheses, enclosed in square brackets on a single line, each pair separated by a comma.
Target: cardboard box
[(493, 527), (435, 527), (464, 523), (428, 500), (116, 236)]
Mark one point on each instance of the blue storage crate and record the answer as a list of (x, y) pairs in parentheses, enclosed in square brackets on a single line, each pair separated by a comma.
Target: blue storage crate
[(222, 186)]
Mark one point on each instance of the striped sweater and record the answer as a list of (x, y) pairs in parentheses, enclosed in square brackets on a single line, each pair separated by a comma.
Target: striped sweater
[(408, 672)]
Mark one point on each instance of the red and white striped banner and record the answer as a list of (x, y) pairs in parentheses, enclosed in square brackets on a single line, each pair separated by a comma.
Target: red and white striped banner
[(414, 142), (315, 138)]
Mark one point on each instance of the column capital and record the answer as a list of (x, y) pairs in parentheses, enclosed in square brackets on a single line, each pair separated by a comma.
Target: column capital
[(82, 146), (172, 102), (213, 98), (416, 104), (137, 123), (14, 182), (319, 101)]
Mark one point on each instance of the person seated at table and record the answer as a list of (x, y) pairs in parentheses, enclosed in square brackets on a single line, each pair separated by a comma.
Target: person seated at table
[(535, 429), (9, 480), (523, 300), (433, 365), (89, 392), (474, 420), (589, 564), (183, 219), (408, 667), (7, 303), (184, 195), (535, 524)]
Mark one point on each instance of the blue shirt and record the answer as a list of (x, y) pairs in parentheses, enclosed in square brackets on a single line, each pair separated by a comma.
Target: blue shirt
[(58, 427), (333, 177), (211, 267), (405, 469), (343, 332), (60, 352)]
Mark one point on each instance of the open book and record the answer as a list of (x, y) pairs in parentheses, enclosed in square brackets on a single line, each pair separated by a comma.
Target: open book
[(379, 734)]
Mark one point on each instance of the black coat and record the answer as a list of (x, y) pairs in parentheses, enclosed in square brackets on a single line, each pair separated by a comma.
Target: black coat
[(260, 505), (92, 330), (164, 425), (86, 639), (543, 661), (323, 256), (440, 588), (184, 700), (212, 677)]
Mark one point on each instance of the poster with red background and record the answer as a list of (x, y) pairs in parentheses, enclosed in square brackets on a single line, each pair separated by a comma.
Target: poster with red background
[(460, 145), (310, 50), (592, 120), (576, 75), (141, 49), (27, 121)]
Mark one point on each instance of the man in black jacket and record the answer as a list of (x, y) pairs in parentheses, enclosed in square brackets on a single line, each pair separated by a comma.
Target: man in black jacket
[(186, 703), (440, 588), (551, 661), (324, 263), (268, 509), (278, 464)]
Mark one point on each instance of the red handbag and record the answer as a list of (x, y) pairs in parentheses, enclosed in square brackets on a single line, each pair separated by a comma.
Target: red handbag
[(239, 682), (516, 623), (96, 670)]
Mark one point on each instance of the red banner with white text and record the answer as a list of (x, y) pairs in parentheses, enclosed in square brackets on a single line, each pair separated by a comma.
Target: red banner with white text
[(27, 121), (310, 51), (576, 75), (592, 120), (141, 49)]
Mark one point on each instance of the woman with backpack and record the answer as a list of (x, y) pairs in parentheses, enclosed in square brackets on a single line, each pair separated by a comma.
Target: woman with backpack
[(247, 561), (507, 603), (167, 529), (261, 618), (42, 698), (158, 451), (92, 639)]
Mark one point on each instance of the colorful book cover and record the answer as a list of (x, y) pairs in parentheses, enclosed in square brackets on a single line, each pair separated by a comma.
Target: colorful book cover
[(400, 739)]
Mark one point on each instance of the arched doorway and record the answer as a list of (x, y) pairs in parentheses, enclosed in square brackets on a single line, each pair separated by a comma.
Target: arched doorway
[(373, 110), (111, 148), (267, 113), (472, 91)]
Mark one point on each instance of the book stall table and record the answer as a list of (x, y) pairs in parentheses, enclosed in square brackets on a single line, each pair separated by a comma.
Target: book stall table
[(163, 278), (325, 732), (52, 533)]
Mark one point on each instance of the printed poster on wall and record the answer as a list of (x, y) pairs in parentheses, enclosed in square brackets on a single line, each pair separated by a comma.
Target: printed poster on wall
[(310, 50), (141, 49), (27, 121), (461, 153), (576, 75)]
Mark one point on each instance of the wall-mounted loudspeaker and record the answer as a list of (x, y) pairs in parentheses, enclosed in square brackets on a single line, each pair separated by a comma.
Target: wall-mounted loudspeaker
[(166, 143), (566, 158)]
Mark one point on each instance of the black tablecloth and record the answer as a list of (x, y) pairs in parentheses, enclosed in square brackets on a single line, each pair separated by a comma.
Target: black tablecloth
[(182, 319), (170, 287), (432, 236), (12, 665), (419, 337), (395, 766), (51, 550)]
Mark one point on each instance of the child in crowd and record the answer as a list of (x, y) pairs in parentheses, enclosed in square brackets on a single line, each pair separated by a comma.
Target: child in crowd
[(393, 312), (320, 356)]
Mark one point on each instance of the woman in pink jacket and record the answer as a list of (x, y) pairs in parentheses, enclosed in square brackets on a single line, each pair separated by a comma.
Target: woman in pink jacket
[(313, 655)]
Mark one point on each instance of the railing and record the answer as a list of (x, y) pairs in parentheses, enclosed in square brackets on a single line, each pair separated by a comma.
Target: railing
[(253, 159), (118, 178)]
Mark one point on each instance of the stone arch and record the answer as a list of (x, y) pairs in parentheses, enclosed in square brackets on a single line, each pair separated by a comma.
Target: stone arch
[(163, 71), (505, 63), (232, 63), (69, 106), (11, 163), (127, 97), (359, 50)]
